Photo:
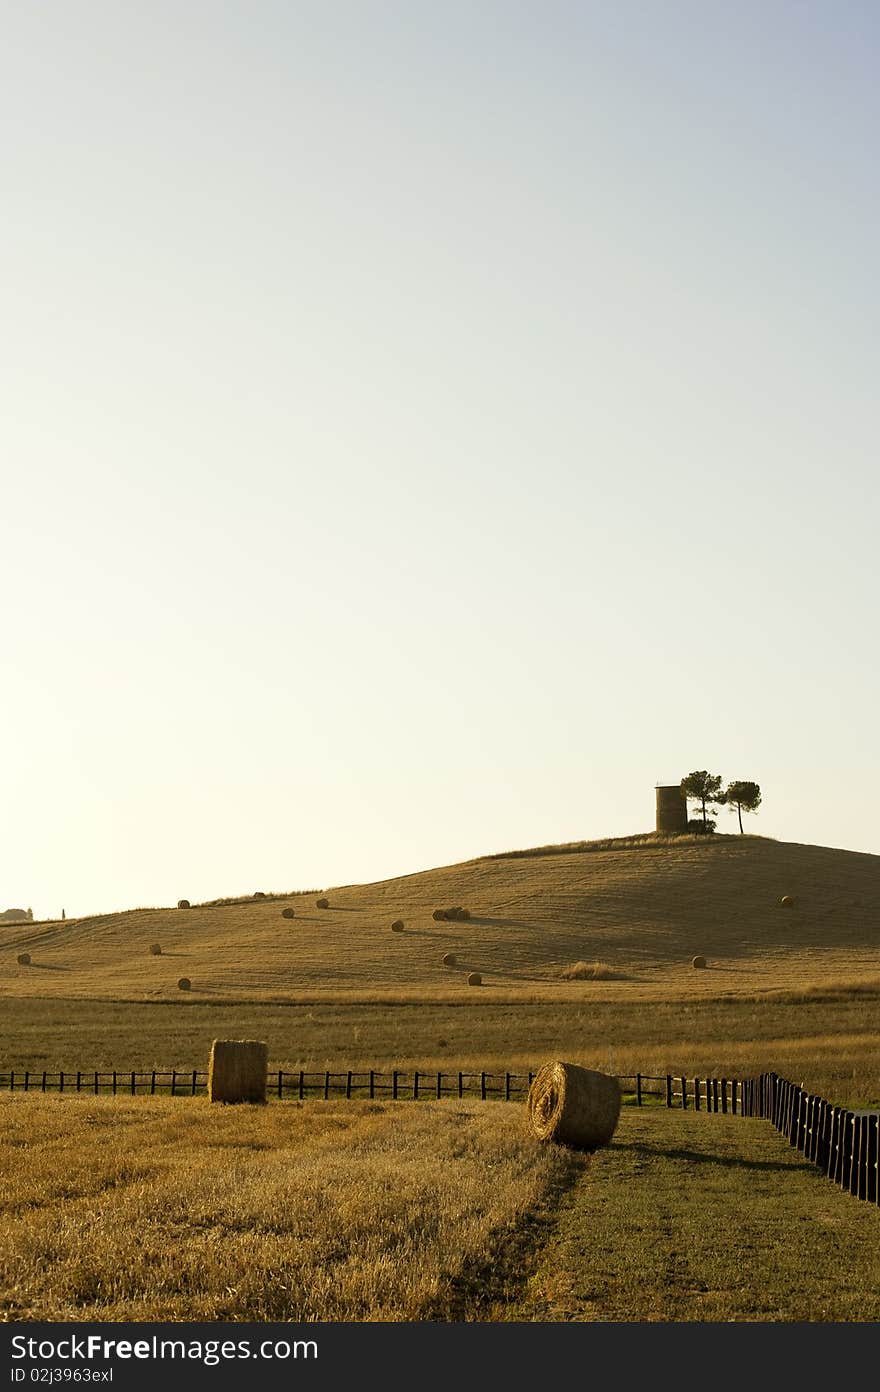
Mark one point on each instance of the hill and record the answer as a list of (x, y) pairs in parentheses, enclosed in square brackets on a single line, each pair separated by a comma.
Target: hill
[(643, 906)]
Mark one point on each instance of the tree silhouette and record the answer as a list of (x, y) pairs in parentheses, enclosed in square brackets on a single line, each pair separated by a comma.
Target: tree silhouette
[(703, 787), (744, 796)]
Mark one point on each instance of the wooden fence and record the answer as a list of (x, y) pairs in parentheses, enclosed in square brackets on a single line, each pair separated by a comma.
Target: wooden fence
[(844, 1144)]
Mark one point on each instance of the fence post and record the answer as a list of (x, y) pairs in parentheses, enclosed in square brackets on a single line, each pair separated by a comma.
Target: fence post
[(302, 1084), (152, 1082), (872, 1188), (26, 1077), (114, 1082), (684, 1094), (44, 1080), (96, 1082), (326, 1084), (483, 1087), (724, 1096), (733, 1096), (133, 1083), (460, 1085), (61, 1081), (696, 1094), (668, 1090), (348, 1084), (439, 1085), (372, 1085), (394, 1085), (638, 1089), (507, 1087)]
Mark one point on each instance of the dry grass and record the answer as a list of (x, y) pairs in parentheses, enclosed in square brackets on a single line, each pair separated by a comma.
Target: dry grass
[(587, 971), (644, 909), (828, 1039), (290, 1212)]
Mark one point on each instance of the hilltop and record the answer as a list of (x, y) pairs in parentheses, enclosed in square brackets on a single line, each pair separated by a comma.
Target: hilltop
[(643, 906)]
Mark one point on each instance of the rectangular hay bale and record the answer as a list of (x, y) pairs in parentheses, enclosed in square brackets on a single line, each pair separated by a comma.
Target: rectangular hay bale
[(237, 1070)]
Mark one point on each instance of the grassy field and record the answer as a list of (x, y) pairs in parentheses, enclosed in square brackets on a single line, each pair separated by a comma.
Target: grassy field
[(643, 907), (169, 1210), (152, 1210), (828, 1040)]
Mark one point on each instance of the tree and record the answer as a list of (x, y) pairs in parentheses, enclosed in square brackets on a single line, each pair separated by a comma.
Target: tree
[(745, 797), (703, 787)]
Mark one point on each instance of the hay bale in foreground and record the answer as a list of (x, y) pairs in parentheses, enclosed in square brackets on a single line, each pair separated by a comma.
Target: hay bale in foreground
[(474, 979), (786, 901), (237, 1070), (184, 984), (439, 915), (449, 959), (698, 961), (184, 904), (322, 903), (397, 925), (574, 1106), (288, 913), (155, 949), (23, 959)]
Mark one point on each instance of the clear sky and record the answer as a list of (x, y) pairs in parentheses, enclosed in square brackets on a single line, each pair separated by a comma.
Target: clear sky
[(425, 427)]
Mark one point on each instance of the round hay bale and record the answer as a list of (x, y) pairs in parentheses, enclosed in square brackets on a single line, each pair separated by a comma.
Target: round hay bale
[(698, 961), (155, 949), (23, 959), (439, 915), (322, 903), (449, 959), (474, 979), (258, 894), (397, 925), (786, 901), (573, 1106), (288, 913), (184, 984), (464, 915), (184, 904)]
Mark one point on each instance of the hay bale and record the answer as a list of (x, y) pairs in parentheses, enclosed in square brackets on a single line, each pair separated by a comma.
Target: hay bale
[(786, 901), (573, 1106), (449, 959), (397, 925), (474, 979), (184, 904), (237, 1070), (439, 915), (587, 971), (184, 984), (258, 894), (155, 949), (23, 959), (322, 903), (288, 913), (698, 961), (464, 915)]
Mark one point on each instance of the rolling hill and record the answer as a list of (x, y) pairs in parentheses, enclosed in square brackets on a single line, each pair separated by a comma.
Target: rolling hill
[(644, 906)]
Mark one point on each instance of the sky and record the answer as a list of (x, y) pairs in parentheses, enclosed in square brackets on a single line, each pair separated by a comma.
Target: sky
[(425, 428)]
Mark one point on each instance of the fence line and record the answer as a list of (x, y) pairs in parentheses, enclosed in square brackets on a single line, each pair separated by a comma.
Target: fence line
[(843, 1143)]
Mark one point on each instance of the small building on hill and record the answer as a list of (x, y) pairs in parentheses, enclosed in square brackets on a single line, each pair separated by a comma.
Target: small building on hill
[(671, 810)]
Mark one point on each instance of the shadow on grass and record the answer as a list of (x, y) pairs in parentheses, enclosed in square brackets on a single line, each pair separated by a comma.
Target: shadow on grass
[(500, 1275), (699, 1157)]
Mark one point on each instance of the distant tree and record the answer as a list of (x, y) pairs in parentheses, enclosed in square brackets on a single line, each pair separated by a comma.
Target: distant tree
[(703, 787), (30, 914), (63, 914), (745, 797)]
